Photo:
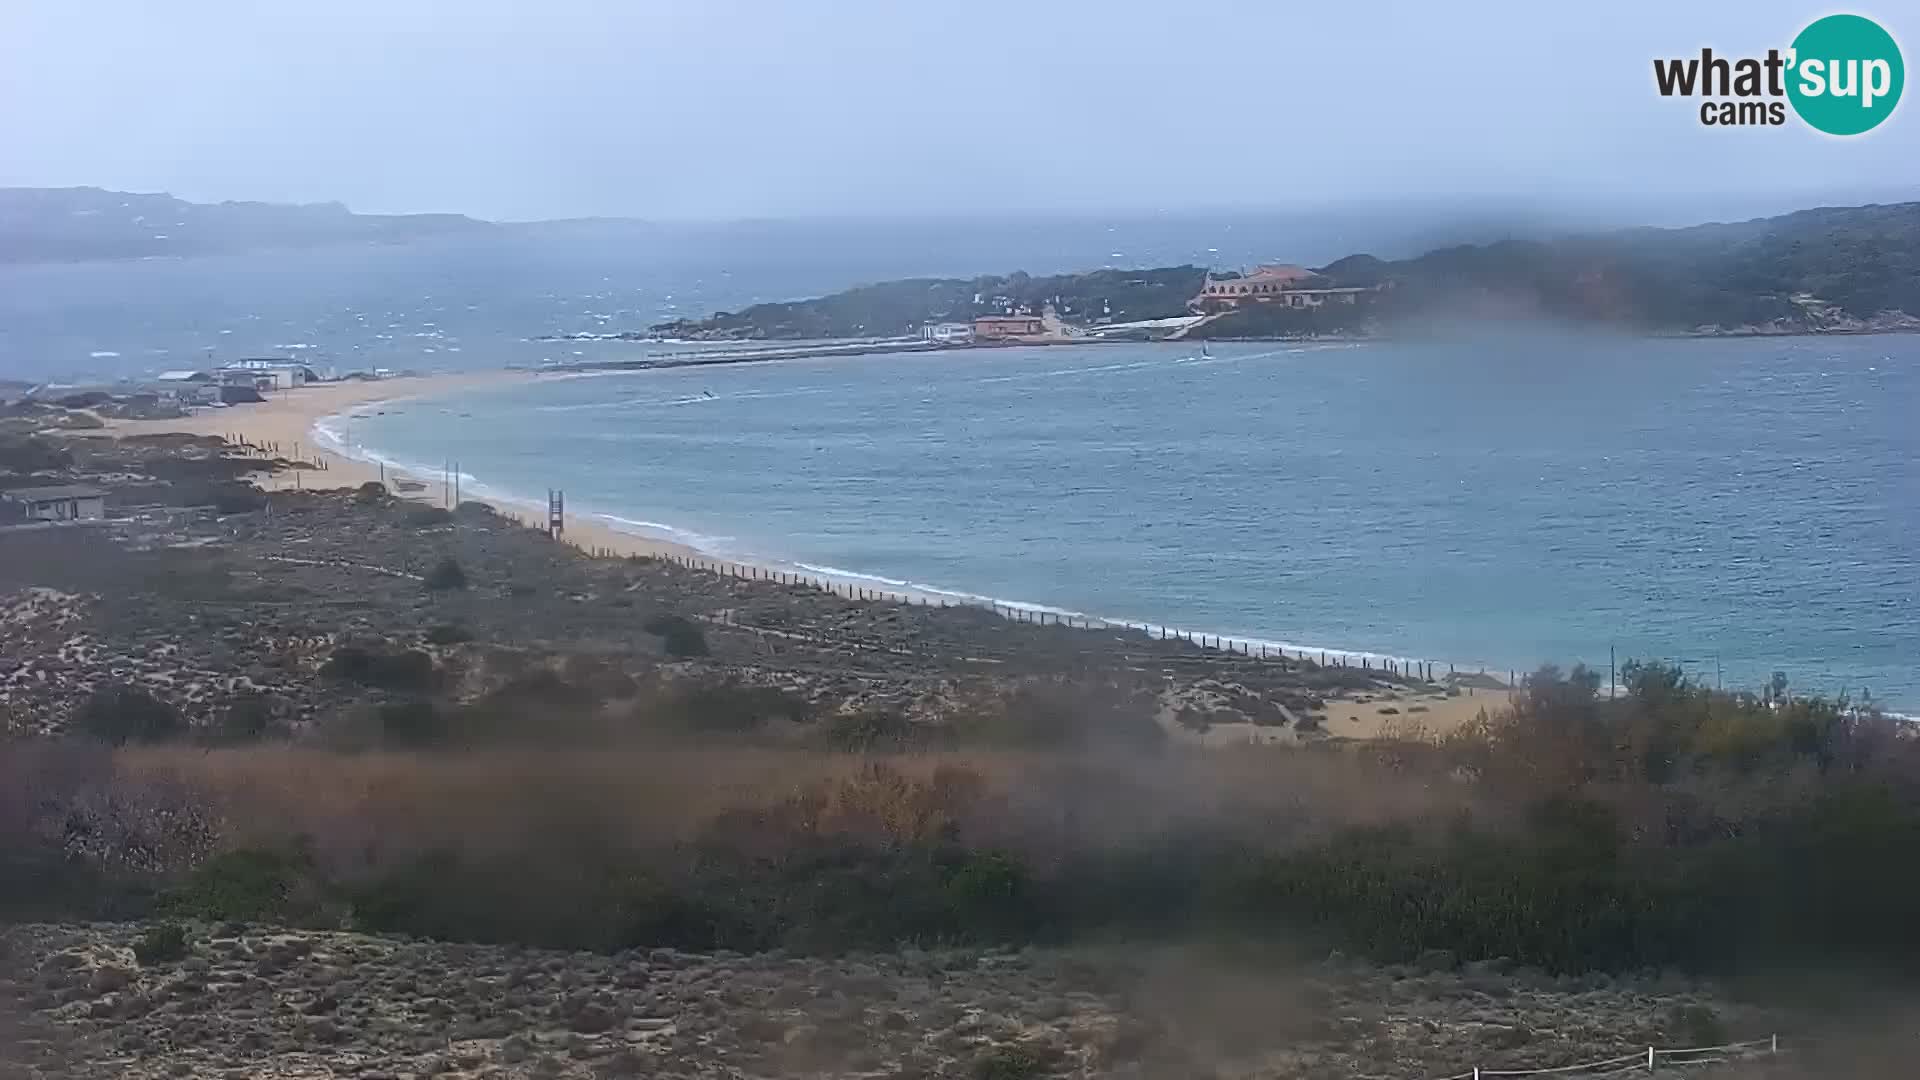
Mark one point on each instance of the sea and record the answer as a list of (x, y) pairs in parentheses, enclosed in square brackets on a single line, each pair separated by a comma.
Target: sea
[(1500, 498)]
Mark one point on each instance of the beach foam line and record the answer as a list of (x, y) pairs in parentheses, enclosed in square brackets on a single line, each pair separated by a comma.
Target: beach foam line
[(1225, 642), (841, 580), (721, 551), (660, 530)]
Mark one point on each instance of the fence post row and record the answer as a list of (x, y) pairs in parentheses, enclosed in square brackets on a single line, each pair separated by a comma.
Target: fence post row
[(1633, 1062), (1423, 668)]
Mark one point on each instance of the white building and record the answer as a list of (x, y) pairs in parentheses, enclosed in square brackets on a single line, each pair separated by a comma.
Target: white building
[(948, 333), (67, 502), (268, 374), (185, 387)]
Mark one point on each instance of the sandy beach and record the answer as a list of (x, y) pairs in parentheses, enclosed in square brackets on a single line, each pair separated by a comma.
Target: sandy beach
[(285, 422)]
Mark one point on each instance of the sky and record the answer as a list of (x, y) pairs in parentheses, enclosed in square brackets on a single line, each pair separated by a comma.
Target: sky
[(722, 109)]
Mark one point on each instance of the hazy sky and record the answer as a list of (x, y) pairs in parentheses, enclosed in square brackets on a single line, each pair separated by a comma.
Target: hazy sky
[(705, 109)]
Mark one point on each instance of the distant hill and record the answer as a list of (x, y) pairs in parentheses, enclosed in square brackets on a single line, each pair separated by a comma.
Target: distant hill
[(1828, 265), (1833, 268), (75, 224), (900, 307)]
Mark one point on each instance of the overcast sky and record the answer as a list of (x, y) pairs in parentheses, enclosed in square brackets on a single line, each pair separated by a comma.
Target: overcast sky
[(715, 109)]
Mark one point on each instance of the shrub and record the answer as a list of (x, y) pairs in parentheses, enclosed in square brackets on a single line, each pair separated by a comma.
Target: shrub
[(29, 454), (1061, 713), (418, 516), (161, 944), (722, 707), (406, 670), (373, 491), (446, 574), (247, 718), (250, 884), (447, 634), (549, 897), (679, 636), (238, 500), (1010, 1061), (122, 714), (1697, 1024), (539, 687), (868, 730), (413, 723), (990, 895), (600, 677)]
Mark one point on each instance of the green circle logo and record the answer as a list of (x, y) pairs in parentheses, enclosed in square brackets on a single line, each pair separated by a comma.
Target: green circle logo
[(1846, 74)]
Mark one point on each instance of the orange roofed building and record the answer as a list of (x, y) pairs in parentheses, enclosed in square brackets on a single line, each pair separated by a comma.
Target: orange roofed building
[(1003, 327), (1291, 286)]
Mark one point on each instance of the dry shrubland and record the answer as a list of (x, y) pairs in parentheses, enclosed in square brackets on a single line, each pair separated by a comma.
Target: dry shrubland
[(1670, 827)]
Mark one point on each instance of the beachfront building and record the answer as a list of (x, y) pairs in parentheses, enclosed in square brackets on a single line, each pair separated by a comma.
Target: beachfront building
[(185, 387), (66, 502), (1286, 285), (1309, 298), (948, 333), (268, 374), (1007, 327)]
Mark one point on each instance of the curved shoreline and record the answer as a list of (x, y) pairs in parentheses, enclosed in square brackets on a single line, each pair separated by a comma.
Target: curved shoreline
[(298, 417), (602, 531)]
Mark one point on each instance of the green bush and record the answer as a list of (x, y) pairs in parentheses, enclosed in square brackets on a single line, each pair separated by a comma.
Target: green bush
[(1058, 713), (238, 499), (421, 516), (722, 707), (30, 454), (413, 723), (250, 884), (118, 715), (246, 718), (161, 944), (549, 898), (1009, 1061), (868, 731), (404, 670), (447, 634), (991, 895), (446, 574), (679, 636)]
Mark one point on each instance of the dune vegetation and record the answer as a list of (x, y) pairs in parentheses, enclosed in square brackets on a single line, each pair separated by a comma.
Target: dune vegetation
[(1668, 826)]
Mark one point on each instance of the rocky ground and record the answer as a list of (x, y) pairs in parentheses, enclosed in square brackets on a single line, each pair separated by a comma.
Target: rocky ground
[(245, 1001)]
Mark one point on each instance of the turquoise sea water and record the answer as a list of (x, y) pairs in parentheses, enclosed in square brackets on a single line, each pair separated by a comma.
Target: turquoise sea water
[(1738, 506)]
